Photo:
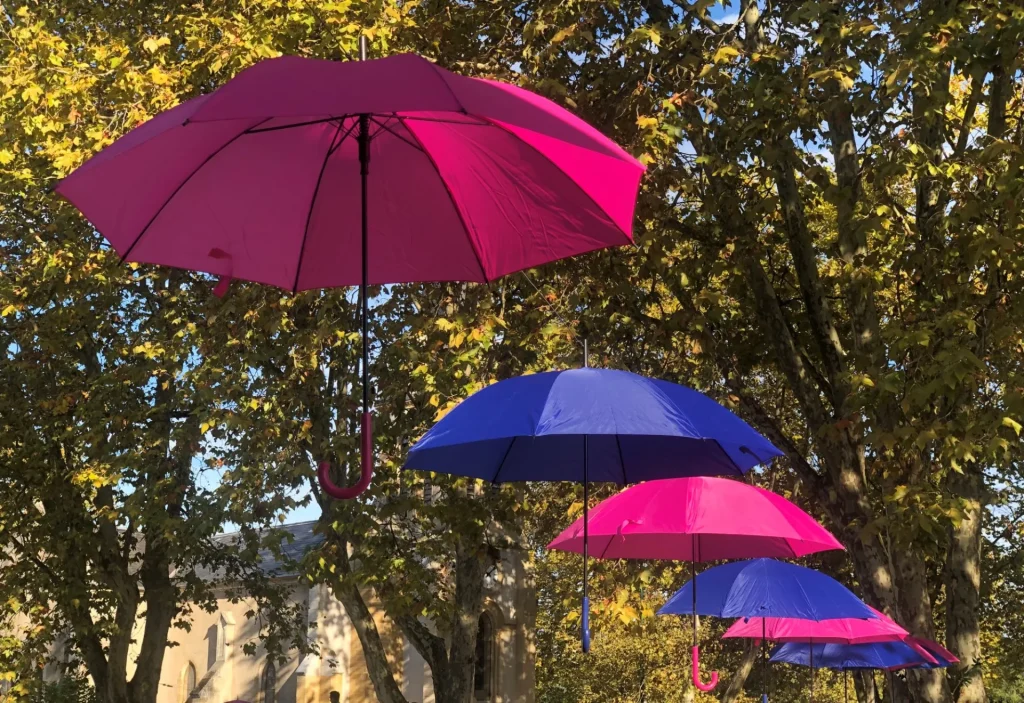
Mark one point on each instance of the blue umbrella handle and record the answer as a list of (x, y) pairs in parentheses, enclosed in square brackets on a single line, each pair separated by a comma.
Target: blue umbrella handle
[(585, 632), (366, 474)]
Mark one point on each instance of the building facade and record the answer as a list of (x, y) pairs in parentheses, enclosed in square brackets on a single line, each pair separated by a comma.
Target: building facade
[(210, 665)]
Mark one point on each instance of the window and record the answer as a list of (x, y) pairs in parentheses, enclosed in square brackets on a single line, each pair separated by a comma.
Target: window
[(188, 682), (268, 684), (483, 673)]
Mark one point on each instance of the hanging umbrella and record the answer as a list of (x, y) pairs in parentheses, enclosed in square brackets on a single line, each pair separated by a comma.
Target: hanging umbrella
[(697, 519), (764, 588), (942, 656), (306, 174), (836, 631), (588, 425), (888, 656)]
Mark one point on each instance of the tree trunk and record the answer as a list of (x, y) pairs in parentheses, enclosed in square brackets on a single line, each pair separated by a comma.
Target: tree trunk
[(739, 679), (963, 568), (864, 686)]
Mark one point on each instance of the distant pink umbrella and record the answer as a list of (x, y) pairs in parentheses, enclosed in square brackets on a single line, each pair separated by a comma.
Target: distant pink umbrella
[(840, 631), (697, 520), (305, 174)]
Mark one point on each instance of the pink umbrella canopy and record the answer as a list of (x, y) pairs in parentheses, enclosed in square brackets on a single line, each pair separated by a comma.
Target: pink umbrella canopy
[(839, 631), (697, 519), (303, 174), (469, 179)]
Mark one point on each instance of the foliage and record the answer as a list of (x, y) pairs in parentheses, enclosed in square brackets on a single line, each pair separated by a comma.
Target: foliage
[(828, 242)]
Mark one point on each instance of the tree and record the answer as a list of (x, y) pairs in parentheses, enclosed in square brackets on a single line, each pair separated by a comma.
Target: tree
[(108, 476), (832, 224)]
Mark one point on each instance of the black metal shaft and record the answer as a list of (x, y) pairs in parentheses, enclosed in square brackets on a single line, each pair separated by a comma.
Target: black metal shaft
[(586, 515), (364, 303), (693, 578), (764, 657)]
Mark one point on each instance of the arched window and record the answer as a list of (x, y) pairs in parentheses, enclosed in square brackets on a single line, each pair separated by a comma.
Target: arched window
[(483, 673), (188, 682), (268, 684)]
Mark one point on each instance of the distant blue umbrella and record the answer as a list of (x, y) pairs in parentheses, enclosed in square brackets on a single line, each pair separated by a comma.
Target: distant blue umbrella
[(888, 656), (766, 588), (841, 657), (589, 425)]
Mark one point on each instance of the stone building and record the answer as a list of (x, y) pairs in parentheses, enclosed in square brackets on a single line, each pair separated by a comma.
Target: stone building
[(209, 664)]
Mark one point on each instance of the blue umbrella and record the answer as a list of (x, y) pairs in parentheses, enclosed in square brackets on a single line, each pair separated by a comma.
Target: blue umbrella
[(887, 656), (765, 588), (589, 425)]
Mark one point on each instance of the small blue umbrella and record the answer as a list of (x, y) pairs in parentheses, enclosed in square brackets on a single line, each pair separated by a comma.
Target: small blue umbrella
[(589, 425), (887, 656), (766, 588)]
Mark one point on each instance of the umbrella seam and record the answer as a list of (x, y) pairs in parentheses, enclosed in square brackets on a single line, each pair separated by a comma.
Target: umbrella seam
[(312, 202), (622, 461), (501, 464), (437, 69), (588, 196), (451, 197), (181, 185)]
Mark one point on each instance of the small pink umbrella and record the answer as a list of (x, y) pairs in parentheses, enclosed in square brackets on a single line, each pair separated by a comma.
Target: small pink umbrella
[(697, 519), (305, 174), (839, 631)]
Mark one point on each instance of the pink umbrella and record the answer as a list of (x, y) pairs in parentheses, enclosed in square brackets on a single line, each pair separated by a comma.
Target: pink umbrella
[(839, 631), (697, 520), (305, 174)]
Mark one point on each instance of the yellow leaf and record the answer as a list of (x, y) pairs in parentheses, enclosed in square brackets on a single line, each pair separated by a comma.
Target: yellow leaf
[(725, 54), (6, 156), (435, 400), (1012, 424), (254, 403), (32, 93), (153, 43)]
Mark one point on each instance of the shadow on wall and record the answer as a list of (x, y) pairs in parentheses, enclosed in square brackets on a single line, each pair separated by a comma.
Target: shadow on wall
[(212, 645)]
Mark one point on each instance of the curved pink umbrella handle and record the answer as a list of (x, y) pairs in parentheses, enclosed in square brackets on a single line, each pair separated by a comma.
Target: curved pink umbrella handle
[(710, 685), (366, 473)]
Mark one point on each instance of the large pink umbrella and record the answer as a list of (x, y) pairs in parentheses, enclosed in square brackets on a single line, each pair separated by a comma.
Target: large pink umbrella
[(697, 520), (303, 174)]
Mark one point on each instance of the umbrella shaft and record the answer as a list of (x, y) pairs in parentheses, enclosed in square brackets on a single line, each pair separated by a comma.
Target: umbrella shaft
[(364, 172), (586, 515)]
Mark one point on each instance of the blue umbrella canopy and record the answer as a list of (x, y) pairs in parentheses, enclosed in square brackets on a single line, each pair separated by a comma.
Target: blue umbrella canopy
[(766, 588), (876, 655), (589, 425)]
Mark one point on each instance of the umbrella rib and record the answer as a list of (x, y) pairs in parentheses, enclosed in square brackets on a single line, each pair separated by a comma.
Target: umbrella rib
[(276, 128), (345, 136), (312, 204), (451, 197), (541, 154), (418, 118), (386, 128), (181, 185)]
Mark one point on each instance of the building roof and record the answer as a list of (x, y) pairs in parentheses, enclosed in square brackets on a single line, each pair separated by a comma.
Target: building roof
[(300, 539)]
